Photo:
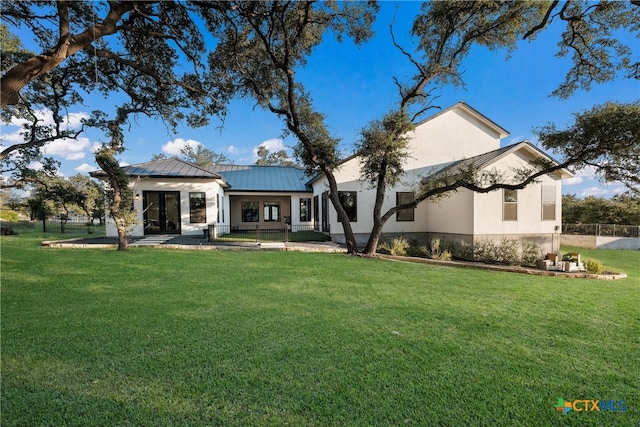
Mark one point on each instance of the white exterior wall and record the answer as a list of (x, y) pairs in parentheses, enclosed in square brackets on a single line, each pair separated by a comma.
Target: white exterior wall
[(184, 186), (295, 209), (488, 206), (452, 214), (453, 135)]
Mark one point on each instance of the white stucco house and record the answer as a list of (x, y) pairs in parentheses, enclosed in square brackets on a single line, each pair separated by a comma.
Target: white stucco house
[(175, 197)]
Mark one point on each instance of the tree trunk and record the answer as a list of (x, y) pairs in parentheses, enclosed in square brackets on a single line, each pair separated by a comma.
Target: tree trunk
[(374, 237), (123, 244), (378, 222), (114, 208), (349, 237)]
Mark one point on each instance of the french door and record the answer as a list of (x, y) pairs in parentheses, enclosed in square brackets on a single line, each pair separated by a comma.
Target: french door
[(325, 211), (161, 212)]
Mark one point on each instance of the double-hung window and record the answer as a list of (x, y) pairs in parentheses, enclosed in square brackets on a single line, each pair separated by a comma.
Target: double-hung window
[(548, 202), (509, 205), (405, 214)]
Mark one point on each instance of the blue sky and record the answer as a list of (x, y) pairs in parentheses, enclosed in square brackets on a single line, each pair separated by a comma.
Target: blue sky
[(353, 85)]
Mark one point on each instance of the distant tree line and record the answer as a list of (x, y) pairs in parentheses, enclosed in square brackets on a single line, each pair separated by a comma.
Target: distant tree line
[(620, 209), (55, 196)]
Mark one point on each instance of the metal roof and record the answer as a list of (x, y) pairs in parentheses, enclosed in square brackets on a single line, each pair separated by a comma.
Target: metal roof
[(482, 160), (263, 178), (165, 168), (238, 177)]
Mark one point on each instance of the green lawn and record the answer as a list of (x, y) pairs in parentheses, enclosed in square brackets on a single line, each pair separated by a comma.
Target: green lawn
[(165, 337)]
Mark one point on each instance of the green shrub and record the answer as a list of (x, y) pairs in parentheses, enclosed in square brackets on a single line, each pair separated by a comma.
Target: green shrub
[(445, 255), (397, 246), (414, 248), (530, 252), (508, 251), (459, 250), (485, 250), (9, 216), (593, 266), (435, 250)]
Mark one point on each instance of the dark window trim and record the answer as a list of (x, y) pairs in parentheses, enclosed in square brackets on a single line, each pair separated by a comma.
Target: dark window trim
[(412, 211), (269, 217), (352, 211), (200, 218), (307, 216), (243, 209)]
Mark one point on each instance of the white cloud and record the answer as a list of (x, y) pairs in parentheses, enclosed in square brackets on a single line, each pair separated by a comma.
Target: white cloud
[(233, 149), (72, 121), (69, 149), (273, 145), (603, 190), (36, 166), (593, 191), (174, 147), (588, 173), (85, 167), (572, 181), (620, 189)]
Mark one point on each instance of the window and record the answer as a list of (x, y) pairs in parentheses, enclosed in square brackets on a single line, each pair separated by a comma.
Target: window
[(218, 206), (509, 205), (197, 208), (316, 213), (271, 211), (404, 214), (305, 210), (249, 211), (548, 202), (349, 202), (325, 211)]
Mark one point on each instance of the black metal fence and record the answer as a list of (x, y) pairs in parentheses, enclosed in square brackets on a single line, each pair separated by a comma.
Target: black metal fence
[(71, 227), (262, 233), (609, 230), (55, 226)]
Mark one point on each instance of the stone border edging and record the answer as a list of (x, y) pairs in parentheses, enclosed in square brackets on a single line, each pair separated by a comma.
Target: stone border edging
[(71, 244), (504, 268)]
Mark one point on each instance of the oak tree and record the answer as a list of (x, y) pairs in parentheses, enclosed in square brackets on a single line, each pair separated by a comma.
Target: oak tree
[(263, 45)]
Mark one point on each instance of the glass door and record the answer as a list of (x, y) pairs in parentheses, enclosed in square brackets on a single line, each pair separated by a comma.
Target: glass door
[(325, 211), (161, 212)]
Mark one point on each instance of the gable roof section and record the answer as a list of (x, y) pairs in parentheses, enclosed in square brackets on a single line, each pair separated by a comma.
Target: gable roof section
[(165, 168), (485, 159), (237, 177), (263, 178), (502, 132)]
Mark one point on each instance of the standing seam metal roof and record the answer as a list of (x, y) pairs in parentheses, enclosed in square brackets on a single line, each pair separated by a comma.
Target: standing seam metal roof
[(484, 159), (263, 178), (169, 168)]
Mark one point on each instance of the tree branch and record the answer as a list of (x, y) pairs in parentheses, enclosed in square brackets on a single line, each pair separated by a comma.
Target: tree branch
[(544, 22)]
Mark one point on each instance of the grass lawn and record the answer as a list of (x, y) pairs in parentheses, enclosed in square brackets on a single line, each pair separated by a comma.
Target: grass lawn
[(165, 337)]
